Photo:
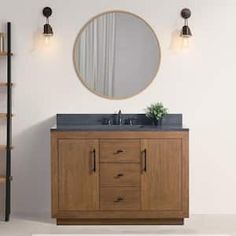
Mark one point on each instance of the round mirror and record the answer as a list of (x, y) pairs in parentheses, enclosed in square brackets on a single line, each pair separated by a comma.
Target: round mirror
[(116, 55)]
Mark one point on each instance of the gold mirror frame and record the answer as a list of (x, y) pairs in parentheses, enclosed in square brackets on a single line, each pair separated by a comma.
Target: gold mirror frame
[(80, 76)]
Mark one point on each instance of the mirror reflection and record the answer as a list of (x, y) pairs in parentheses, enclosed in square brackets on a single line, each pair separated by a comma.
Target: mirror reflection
[(116, 55)]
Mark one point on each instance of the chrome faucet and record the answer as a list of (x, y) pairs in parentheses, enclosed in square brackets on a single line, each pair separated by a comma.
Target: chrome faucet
[(119, 118)]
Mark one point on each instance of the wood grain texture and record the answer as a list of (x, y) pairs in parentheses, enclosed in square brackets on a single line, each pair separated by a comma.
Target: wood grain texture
[(119, 198), (120, 214), (162, 182), (120, 134), (54, 175), (185, 175), (169, 177), (178, 221), (119, 174), (125, 150), (78, 183)]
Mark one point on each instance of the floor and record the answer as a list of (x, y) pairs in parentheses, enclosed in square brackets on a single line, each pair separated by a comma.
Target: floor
[(197, 224)]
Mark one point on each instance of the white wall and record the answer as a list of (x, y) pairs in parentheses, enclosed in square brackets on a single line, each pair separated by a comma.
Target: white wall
[(201, 84)]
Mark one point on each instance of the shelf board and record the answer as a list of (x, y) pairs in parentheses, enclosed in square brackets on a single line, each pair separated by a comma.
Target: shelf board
[(2, 179), (4, 84), (4, 115), (3, 147), (3, 54)]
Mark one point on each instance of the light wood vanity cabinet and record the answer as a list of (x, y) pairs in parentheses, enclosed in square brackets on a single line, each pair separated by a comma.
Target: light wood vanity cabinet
[(78, 175), (119, 177)]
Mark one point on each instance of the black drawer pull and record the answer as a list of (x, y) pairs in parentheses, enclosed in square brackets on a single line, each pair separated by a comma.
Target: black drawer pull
[(118, 151), (94, 161), (144, 168), (119, 175), (119, 199)]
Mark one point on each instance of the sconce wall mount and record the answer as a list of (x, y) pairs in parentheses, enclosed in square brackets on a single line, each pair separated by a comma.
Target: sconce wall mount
[(47, 28), (185, 32)]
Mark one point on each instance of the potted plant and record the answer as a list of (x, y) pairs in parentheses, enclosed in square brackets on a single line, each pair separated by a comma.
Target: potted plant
[(156, 112)]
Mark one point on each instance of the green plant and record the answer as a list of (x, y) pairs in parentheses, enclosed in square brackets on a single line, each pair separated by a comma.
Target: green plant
[(156, 111)]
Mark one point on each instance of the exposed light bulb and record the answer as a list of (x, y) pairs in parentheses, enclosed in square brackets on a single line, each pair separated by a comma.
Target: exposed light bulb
[(47, 40), (185, 42)]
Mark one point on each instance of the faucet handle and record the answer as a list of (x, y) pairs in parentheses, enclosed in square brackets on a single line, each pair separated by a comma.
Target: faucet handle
[(107, 121), (130, 121)]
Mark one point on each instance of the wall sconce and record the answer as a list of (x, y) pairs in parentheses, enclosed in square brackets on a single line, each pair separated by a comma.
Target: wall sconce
[(185, 33), (47, 28)]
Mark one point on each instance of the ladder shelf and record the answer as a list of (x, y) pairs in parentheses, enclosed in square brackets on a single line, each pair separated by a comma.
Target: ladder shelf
[(6, 177)]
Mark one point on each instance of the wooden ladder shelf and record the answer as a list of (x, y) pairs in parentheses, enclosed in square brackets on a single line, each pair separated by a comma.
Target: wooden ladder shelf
[(4, 85), (5, 149)]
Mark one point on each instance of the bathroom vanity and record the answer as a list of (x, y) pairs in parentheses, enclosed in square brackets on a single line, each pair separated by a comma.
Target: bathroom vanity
[(118, 168), (134, 173)]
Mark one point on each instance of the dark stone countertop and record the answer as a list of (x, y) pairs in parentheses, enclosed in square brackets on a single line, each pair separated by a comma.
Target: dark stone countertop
[(99, 122)]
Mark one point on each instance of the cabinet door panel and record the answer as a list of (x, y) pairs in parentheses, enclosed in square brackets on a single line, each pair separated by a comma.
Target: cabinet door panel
[(162, 180), (78, 179)]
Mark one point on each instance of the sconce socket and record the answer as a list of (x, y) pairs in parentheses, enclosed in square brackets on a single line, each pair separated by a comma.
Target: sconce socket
[(47, 30), (186, 32)]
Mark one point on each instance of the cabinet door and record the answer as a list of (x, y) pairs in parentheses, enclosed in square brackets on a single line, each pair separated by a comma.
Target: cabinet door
[(78, 174), (161, 175)]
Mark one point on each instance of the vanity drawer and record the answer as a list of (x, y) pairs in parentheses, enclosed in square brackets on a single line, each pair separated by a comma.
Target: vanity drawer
[(121, 174), (119, 198), (116, 150)]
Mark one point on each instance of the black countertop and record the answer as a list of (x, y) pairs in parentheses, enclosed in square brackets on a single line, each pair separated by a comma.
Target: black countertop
[(98, 122)]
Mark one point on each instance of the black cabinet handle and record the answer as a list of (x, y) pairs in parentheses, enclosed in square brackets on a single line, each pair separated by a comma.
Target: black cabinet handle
[(119, 175), (118, 151), (119, 199), (94, 160), (145, 160)]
